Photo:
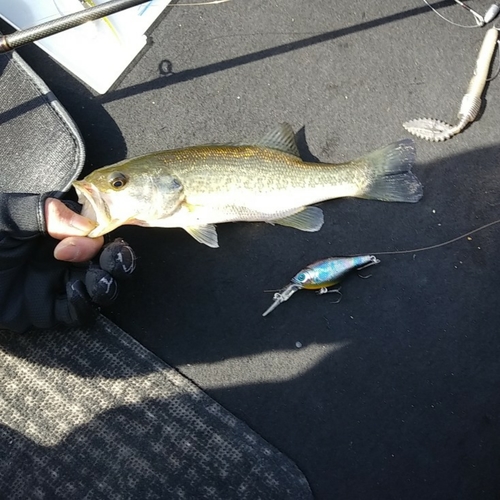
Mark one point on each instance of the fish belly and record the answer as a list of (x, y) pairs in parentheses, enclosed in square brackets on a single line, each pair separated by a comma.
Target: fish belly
[(246, 207)]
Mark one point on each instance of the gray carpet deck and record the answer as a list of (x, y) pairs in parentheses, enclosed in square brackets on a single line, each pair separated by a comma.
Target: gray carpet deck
[(394, 392), (91, 414)]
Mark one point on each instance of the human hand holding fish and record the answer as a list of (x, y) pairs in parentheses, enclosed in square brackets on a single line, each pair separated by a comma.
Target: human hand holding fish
[(71, 229), (267, 181)]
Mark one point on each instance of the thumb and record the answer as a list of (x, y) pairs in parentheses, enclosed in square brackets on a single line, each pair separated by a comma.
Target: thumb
[(62, 222)]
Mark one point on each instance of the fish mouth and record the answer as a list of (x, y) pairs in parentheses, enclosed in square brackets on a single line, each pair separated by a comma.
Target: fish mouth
[(93, 208)]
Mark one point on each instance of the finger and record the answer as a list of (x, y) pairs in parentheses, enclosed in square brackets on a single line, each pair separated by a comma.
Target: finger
[(78, 248), (101, 286), (62, 221), (79, 308), (118, 259)]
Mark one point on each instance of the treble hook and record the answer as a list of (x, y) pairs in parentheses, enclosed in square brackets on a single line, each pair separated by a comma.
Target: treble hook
[(324, 290), (372, 263)]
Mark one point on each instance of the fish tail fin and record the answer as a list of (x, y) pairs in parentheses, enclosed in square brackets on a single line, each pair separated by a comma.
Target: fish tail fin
[(391, 178)]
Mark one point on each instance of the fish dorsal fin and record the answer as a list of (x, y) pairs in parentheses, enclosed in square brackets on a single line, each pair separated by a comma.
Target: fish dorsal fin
[(281, 138)]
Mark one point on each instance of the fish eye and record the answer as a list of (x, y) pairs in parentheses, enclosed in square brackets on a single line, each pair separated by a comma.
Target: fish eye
[(118, 180)]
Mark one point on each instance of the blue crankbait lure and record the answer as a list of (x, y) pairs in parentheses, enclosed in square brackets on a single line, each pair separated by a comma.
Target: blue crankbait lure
[(321, 275)]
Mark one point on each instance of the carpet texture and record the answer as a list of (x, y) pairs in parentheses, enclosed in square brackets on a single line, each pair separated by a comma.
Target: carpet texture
[(92, 414)]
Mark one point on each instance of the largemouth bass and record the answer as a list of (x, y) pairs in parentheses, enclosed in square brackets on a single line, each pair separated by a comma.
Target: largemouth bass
[(197, 187)]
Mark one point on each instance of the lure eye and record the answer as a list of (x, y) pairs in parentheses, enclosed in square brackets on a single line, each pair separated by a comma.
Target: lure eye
[(301, 277), (118, 180)]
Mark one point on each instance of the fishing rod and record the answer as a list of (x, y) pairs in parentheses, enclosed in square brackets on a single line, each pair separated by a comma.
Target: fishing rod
[(29, 35)]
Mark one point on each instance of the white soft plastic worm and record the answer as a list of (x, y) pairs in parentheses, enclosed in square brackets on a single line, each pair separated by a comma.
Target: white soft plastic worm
[(437, 130)]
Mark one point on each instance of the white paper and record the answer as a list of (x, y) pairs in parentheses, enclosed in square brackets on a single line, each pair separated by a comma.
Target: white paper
[(97, 52)]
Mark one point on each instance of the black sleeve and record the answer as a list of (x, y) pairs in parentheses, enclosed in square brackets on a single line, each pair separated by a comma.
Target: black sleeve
[(21, 221), (15, 256), (33, 284), (22, 214)]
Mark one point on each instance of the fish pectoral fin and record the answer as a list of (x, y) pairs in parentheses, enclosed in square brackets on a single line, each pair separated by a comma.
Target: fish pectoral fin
[(281, 138), (309, 219), (204, 234)]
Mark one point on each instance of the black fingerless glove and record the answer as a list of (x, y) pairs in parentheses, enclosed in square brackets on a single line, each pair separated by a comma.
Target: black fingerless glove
[(38, 291)]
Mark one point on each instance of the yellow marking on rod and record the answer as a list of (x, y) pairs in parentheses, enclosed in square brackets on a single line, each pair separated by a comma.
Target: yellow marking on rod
[(91, 3)]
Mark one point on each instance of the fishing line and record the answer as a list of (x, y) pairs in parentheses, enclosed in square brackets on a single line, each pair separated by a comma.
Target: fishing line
[(336, 272), (489, 16), (479, 19), (430, 247)]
